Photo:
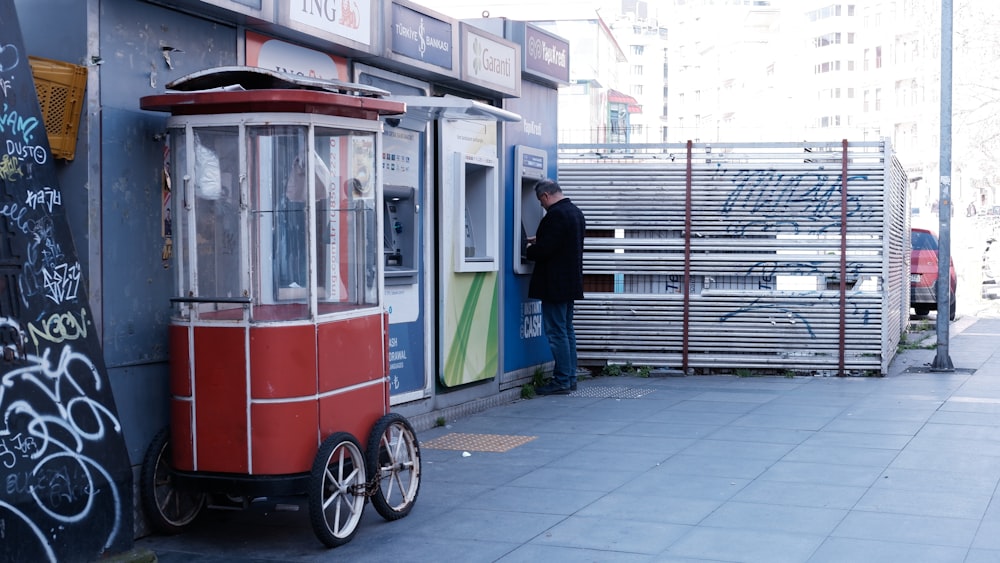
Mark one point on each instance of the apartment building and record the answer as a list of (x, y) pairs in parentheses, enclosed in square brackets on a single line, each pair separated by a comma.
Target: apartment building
[(643, 37), (748, 70)]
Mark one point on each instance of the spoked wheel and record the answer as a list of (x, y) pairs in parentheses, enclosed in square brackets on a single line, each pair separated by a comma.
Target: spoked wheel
[(337, 489), (393, 457), (170, 510)]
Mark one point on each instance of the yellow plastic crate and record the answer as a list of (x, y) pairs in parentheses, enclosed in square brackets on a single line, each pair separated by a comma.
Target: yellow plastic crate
[(61, 87)]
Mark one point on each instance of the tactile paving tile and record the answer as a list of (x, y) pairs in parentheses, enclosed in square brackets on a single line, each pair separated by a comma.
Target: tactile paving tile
[(477, 442), (611, 392)]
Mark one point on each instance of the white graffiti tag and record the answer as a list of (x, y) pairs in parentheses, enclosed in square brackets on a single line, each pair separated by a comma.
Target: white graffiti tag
[(51, 419)]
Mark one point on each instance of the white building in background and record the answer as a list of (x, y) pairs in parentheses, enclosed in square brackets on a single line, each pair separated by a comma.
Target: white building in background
[(590, 111), (643, 38), (826, 70), (780, 70), (725, 81)]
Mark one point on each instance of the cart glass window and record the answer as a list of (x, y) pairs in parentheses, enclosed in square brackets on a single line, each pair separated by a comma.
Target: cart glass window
[(346, 248), (336, 170), (277, 163), (207, 236)]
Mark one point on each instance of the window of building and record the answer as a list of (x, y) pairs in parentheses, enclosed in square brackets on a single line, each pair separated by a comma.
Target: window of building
[(878, 99), (878, 57), (638, 49), (636, 70), (637, 89)]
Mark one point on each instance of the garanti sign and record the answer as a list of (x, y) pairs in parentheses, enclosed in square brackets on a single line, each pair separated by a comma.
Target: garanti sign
[(489, 61)]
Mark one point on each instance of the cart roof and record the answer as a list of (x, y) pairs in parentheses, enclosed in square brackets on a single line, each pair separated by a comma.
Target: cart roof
[(243, 89)]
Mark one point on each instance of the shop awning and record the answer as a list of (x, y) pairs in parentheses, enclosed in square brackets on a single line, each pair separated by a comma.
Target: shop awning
[(452, 107), (616, 97)]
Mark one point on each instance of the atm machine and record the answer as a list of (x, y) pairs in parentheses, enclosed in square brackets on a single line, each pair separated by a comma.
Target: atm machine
[(399, 241), (530, 165)]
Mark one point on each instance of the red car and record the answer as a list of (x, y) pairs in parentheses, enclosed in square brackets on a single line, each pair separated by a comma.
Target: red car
[(924, 273)]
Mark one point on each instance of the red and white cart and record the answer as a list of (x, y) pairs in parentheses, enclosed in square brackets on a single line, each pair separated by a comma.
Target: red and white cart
[(278, 338)]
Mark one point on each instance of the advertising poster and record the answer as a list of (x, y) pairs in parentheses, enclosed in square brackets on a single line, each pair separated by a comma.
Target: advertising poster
[(273, 54)]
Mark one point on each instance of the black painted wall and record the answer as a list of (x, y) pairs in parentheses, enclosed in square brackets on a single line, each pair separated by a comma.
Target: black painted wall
[(67, 491)]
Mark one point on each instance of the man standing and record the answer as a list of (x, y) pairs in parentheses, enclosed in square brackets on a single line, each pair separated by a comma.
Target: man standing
[(557, 280)]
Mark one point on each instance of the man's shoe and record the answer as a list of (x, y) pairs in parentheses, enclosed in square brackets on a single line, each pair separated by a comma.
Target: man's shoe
[(572, 386), (552, 389)]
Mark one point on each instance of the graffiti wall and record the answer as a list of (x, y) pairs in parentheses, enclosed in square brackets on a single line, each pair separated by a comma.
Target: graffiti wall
[(777, 257), (66, 487)]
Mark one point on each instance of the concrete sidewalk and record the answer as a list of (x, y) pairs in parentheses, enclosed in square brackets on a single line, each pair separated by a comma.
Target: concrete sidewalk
[(703, 468)]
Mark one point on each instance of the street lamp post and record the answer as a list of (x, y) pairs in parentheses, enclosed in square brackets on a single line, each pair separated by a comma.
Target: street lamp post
[(942, 361)]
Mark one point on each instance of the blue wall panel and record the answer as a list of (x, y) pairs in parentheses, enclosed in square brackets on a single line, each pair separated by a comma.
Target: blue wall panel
[(537, 108), (137, 282)]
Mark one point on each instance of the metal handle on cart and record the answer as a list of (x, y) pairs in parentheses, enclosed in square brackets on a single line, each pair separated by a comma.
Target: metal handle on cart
[(244, 300)]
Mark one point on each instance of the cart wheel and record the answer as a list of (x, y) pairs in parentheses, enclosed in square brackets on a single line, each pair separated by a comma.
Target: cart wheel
[(393, 457), (170, 510), (337, 489)]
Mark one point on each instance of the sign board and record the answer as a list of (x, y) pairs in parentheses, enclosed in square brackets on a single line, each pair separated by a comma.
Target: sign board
[(422, 37), (333, 20), (489, 61), (546, 56)]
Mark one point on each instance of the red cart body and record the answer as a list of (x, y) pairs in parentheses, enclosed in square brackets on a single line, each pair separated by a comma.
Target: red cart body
[(240, 406)]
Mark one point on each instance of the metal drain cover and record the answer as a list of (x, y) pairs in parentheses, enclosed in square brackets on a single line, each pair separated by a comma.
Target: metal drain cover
[(611, 392), (477, 442)]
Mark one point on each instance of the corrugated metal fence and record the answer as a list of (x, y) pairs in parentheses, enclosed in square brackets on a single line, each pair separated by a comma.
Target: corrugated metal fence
[(787, 257)]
